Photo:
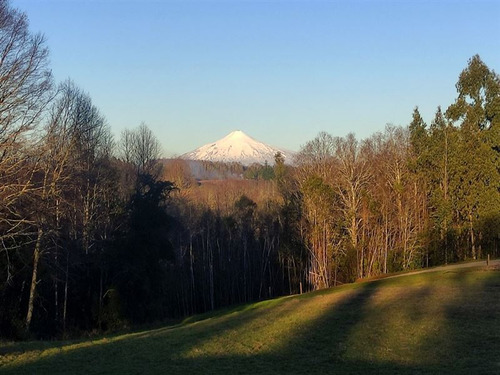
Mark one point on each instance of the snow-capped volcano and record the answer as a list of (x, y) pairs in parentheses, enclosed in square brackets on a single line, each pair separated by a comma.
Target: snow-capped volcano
[(237, 147)]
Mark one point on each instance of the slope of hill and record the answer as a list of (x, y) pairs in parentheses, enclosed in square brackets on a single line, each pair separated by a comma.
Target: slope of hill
[(238, 147), (443, 322)]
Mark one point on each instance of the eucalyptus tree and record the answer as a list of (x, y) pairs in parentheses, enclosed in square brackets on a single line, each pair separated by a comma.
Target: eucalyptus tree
[(441, 174), (477, 113)]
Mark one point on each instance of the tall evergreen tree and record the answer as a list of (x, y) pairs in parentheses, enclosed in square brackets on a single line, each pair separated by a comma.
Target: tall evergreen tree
[(477, 113), (442, 159)]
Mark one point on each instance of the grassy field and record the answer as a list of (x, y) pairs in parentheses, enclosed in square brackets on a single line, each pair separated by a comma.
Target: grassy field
[(440, 322)]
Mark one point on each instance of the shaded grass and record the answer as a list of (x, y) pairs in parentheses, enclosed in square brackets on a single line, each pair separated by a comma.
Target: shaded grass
[(440, 322)]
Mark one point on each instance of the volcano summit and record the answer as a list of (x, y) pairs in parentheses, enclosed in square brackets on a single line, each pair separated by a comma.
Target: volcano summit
[(238, 147)]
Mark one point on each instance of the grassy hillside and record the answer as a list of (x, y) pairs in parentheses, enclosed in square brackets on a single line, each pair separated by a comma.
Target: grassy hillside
[(440, 322)]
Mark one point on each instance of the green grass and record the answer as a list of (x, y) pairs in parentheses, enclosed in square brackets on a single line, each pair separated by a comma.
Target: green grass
[(439, 323)]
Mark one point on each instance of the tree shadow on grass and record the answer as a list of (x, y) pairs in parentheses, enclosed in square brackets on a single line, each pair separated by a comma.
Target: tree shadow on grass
[(20, 347), (161, 345), (447, 324), (474, 323)]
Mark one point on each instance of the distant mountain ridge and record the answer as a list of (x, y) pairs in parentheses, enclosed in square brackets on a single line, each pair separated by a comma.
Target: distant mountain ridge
[(240, 148)]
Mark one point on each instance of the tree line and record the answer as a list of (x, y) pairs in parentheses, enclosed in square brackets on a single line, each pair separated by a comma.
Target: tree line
[(409, 197), (93, 236)]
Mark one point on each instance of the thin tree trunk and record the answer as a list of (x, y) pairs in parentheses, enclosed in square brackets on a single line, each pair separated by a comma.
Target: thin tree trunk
[(56, 291), (65, 306), (56, 259), (472, 237), (36, 259), (386, 244), (99, 313), (191, 269)]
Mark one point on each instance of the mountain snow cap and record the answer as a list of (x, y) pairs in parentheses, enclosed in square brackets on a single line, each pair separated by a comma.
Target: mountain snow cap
[(238, 147)]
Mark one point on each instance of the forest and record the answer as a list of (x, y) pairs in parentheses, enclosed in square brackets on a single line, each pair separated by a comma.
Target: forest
[(98, 234)]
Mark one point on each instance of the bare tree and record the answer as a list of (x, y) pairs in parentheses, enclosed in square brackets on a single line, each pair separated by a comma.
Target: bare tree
[(25, 91), (141, 148), (70, 178), (314, 171), (25, 83), (126, 145), (352, 176)]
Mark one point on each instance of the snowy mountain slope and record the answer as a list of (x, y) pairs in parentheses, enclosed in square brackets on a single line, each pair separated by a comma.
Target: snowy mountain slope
[(238, 147)]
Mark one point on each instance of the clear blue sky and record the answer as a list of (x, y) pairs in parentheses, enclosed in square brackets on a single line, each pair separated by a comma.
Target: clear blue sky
[(279, 70)]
